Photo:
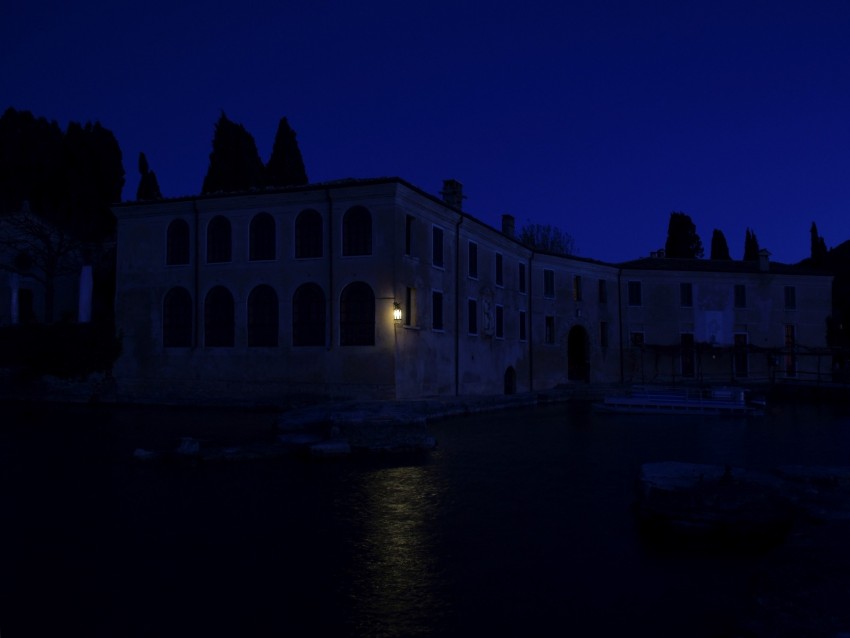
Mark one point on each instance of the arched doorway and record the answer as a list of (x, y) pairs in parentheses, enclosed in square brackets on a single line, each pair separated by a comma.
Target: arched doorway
[(578, 354), (510, 380)]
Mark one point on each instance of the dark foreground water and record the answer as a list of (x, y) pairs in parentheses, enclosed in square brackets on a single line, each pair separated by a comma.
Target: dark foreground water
[(519, 524)]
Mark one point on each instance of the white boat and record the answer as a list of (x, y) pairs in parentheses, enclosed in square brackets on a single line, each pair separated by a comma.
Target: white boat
[(727, 401)]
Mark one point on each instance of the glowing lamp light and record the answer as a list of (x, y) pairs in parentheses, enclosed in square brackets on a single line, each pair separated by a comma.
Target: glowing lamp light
[(396, 313)]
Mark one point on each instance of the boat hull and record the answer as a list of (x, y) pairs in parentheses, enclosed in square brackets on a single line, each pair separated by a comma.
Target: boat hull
[(716, 402)]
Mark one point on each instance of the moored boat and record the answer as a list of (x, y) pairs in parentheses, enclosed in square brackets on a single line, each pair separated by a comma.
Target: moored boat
[(726, 401)]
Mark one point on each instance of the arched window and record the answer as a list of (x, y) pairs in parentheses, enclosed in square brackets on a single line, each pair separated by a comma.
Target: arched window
[(261, 240), (308, 234), (218, 240), (177, 243), (357, 231), (177, 319), (357, 315), (262, 317), (218, 318), (308, 316)]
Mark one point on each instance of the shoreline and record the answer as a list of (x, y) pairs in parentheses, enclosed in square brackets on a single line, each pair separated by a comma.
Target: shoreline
[(102, 388)]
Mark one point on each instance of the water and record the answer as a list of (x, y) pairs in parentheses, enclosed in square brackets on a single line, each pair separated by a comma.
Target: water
[(519, 524)]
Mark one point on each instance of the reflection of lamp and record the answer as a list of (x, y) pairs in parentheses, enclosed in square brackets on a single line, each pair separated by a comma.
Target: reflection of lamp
[(396, 313)]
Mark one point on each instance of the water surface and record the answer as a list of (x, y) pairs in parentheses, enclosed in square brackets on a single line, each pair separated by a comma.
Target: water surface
[(519, 523)]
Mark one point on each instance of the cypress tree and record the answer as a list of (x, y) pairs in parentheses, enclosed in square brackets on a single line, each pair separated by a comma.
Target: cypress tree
[(719, 247), (235, 164), (682, 238), (148, 185), (286, 166), (818, 246), (751, 246)]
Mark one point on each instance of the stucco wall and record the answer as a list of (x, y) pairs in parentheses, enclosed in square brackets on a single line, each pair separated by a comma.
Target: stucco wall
[(591, 327)]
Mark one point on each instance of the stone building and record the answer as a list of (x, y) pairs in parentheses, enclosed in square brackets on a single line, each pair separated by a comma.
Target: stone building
[(43, 277), (376, 288), (721, 320)]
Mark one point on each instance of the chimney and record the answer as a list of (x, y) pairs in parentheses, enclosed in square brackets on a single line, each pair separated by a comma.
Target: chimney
[(764, 260), (452, 193), (508, 225)]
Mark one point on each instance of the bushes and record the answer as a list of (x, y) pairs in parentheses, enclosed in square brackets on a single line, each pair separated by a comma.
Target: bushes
[(65, 350)]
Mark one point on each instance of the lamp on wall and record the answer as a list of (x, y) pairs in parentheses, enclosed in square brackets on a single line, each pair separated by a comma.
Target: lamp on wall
[(396, 313)]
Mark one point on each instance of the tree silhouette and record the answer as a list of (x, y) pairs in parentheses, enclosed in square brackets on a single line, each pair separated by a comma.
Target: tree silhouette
[(286, 166), (682, 238), (31, 163), (719, 247), (235, 164), (148, 184), (39, 250), (819, 252), (95, 176), (751, 246), (550, 239), (70, 179)]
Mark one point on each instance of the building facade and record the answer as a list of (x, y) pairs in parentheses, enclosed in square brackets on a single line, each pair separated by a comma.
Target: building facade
[(376, 288), (715, 320), (43, 277)]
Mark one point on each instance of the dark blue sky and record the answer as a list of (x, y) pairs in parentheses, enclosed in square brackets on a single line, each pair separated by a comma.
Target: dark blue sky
[(598, 117)]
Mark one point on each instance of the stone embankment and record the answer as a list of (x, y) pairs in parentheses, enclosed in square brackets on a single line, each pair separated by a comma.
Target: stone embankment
[(360, 427), (381, 426)]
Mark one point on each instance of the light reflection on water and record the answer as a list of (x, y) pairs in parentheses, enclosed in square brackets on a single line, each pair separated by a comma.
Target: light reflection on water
[(395, 565), (519, 522)]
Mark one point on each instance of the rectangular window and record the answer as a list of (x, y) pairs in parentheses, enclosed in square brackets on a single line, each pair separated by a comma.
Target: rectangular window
[(500, 322), (549, 332), (686, 295), (499, 277), (740, 296), (472, 253), (790, 298), (437, 310), (688, 355), (603, 291), (603, 334), (522, 336), (577, 295), (437, 247), (472, 313), (549, 283), (635, 294), (409, 306), (408, 235), (636, 339), (521, 277)]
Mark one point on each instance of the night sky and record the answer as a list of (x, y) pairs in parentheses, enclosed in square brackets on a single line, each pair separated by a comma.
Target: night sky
[(598, 117)]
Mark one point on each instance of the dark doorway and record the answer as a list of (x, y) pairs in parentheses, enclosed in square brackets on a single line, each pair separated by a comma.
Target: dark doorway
[(688, 358), (578, 355), (740, 359), (510, 380)]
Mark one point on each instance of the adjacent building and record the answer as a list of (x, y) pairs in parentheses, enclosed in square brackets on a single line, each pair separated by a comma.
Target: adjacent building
[(720, 320), (376, 288), (43, 276)]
